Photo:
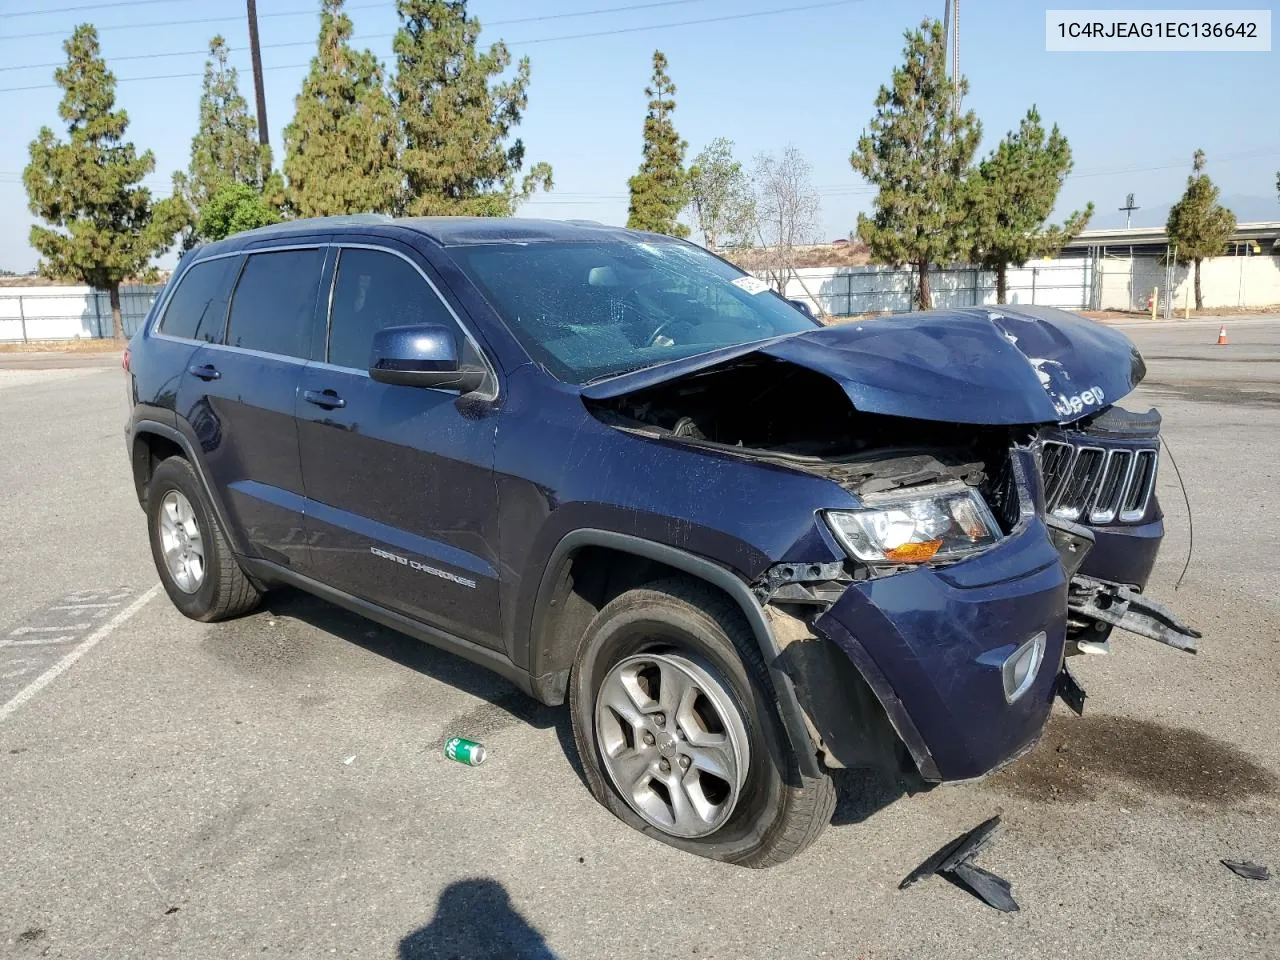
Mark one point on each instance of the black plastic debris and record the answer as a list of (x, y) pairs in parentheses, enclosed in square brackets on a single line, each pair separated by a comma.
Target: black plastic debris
[(1250, 871), (1069, 689), (955, 863)]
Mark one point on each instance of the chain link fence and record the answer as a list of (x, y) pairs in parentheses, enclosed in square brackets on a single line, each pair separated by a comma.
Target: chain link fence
[(857, 291), (70, 313)]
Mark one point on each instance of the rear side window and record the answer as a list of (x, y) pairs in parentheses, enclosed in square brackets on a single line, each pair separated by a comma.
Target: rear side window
[(198, 308), (273, 309), (375, 290)]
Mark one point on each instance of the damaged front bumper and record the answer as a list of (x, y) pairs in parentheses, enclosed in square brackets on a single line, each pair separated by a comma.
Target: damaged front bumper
[(933, 645), (959, 664)]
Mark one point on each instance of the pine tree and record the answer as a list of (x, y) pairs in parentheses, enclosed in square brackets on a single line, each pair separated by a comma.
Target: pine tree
[(456, 121), (659, 190), (720, 194), (226, 148), (1198, 225), (340, 147), (1012, 194), (917, 152), (103, 224)]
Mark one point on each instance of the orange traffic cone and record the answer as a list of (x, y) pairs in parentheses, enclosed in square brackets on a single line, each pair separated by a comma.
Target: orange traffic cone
[(1222, 336)]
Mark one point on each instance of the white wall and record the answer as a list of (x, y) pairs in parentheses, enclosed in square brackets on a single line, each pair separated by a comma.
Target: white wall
[(1123, 283), (1225, 282), (69, 312), (846, 291)]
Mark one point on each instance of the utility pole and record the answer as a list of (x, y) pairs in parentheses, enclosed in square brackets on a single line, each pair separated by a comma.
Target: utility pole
[(1128, 209), (955, 52), (258, 89), (946, 30), (951, 41)]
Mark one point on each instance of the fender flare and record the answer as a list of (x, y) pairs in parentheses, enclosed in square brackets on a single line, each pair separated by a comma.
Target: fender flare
[(789, 709), (142, 427)]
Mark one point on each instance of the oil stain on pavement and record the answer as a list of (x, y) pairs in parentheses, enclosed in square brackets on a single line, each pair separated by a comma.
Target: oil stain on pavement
[(1079, 759)]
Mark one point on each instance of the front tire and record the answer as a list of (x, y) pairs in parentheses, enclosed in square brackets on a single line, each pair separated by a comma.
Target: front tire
[(675, 720), (191, 553)]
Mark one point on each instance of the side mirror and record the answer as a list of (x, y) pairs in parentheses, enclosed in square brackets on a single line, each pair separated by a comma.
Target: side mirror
[(803, 307), (422, 356)]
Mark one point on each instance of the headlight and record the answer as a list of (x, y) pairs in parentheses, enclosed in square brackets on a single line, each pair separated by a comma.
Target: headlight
[(929, 523)]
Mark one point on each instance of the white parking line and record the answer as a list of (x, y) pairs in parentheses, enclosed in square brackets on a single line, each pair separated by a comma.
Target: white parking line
[(23, 631), (91, 641)]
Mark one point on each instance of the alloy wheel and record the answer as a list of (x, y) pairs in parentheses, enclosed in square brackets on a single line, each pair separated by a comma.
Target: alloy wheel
[(181, 542), (673, 742)]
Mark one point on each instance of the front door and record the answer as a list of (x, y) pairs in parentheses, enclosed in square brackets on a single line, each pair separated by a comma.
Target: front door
[(239, 399), (401, 507)]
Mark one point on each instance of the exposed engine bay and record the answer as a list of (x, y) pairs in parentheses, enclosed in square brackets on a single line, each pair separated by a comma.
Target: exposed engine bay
[(775, 410), (1100, 468)]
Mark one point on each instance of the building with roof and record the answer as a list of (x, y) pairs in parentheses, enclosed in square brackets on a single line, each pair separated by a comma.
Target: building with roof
[(1250, 239)]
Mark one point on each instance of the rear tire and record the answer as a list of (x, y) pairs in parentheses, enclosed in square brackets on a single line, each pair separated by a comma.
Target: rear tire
[(675, 635), (191, 553)]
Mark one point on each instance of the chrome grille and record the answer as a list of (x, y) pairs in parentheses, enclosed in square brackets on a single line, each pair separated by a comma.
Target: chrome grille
[(1141, 482), (1082, 477), (1097, 484), (1114, 479), (1054, 460)]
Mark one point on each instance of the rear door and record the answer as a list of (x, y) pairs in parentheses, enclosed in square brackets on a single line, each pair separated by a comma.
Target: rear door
[(401, 507), (239, 398)]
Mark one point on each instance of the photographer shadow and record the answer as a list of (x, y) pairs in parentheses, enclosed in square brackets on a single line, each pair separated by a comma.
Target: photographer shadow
[(475, 921)]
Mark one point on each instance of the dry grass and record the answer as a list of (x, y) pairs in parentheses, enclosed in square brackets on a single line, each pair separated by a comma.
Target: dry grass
[(81, 345), (822, 255)]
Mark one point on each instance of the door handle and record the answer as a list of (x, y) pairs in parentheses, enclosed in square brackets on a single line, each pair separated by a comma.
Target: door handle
[(328, 399), (205, 371)]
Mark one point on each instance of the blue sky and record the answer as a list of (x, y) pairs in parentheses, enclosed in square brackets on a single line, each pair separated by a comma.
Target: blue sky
[(807, 77)]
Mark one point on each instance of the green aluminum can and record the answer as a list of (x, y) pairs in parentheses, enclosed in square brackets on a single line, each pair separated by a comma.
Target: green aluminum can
[(464, 751)]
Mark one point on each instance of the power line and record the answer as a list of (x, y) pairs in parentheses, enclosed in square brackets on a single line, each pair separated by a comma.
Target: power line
[(90, 6), (834, 189), (308, 11), (1181, 165), (311, 11), (369, 36), (521, 43)]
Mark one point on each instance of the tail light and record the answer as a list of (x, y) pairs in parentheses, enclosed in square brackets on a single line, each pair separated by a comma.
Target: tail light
[(124, 360)]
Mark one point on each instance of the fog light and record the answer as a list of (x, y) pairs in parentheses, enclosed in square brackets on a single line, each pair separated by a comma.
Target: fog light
[(1020, 669)]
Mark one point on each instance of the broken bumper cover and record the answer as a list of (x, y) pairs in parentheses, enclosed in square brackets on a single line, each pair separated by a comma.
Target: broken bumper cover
[(931, 644)]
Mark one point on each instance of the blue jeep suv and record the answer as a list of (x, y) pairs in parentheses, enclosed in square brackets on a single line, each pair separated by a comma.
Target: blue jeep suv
[(745, 548)]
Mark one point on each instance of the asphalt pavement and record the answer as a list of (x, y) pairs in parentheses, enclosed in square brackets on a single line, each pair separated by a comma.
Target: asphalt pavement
[(274, 786)]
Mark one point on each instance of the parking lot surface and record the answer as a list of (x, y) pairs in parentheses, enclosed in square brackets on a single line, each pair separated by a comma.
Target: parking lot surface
[(275, 786)]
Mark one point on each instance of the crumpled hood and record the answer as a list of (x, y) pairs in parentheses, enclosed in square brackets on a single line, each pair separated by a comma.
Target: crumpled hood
[(996, 365)]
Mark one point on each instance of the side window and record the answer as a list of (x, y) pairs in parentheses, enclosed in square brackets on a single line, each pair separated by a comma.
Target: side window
[(273, 309), (375, 290), (198, 308)]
